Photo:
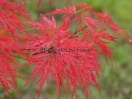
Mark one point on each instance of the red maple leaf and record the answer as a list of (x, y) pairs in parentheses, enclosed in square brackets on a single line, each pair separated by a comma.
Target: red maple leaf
[(71, 55), (56, 51)]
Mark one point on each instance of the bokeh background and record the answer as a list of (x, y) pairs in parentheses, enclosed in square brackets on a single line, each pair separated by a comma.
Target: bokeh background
[(115, 81)]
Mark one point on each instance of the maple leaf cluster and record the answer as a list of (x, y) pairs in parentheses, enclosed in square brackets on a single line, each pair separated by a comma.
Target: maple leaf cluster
[(55, 50)]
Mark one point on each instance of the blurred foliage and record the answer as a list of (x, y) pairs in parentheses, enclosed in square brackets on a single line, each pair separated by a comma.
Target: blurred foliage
[(116, 80)]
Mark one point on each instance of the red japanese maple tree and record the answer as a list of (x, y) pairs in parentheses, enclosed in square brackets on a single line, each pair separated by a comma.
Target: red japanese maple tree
[(58, 51)]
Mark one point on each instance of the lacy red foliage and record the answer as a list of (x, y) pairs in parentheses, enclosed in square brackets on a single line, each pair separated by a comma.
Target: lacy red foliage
[(64, 53), (10, 26), (8, 64), (78, 68)]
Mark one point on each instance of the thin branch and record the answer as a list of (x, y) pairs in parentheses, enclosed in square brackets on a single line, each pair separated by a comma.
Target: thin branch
[(72, 36)]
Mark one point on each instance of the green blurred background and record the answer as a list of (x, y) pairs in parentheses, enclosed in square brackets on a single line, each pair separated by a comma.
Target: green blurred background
[(115, 81)]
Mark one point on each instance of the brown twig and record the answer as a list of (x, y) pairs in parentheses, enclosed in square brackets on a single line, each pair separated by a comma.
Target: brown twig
[(72, 36)]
